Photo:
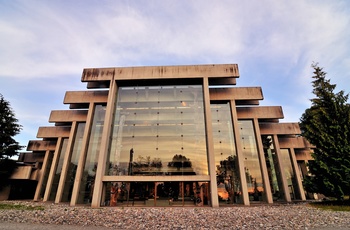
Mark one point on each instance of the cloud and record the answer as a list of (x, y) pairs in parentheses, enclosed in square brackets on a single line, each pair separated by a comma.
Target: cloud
[(44, 45)]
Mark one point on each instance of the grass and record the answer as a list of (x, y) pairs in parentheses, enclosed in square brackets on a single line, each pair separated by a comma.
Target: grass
[(20, 207), (333, 205)]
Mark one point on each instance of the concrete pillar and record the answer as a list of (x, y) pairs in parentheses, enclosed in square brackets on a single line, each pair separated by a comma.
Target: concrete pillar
[(106, 132), (66, 162), (210, 145), (297, 174), (264, 173), (281, 169), (239, 150), (53, 168), (82, 156), (42, 175)]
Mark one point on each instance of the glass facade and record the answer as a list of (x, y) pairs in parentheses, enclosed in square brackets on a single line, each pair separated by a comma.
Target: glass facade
[(227, 174), (290, 174), (171, 193), (57, 175), (158, 130), (73, 163), (88, 178), (251, 161), (273, 169)]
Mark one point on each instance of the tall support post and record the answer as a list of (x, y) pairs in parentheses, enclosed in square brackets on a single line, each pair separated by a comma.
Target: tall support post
[(210, 145), (66, 162), (297, 174), (42, 175), (287, 196), (106, 132), (265, 175), (53, 168), (83, 153), (239, 150)]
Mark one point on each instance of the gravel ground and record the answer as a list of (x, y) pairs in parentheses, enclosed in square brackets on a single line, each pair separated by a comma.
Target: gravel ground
[(284, 216)]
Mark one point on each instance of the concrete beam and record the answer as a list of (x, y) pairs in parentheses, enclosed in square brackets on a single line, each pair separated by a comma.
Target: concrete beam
[(68, 115), (279, 128), (296, 143), (160, 72), (85, 97), (53, 132), (261, 112), (37, 145), (238, 94)]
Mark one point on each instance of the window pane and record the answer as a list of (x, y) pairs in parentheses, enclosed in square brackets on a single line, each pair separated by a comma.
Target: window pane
[(163, 128)]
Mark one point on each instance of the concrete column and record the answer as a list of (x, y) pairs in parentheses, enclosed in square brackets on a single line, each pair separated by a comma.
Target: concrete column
[(297, 174), (106, 132), (239, 150), (53, 168), (66, 162), (210, 144), (281, 169), (265, 175), (42, 175), (82, 156)]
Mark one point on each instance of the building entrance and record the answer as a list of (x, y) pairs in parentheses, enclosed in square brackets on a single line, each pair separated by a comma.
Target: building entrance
[(160, 194)]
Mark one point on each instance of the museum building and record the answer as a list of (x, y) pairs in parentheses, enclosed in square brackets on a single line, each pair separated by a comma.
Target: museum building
[(167, 136)]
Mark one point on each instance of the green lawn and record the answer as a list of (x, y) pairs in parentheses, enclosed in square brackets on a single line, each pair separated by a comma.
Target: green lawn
[(333, 205), (20, 207)]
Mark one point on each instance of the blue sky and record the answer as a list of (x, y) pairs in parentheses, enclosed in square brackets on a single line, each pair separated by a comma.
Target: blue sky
[(44, 46)]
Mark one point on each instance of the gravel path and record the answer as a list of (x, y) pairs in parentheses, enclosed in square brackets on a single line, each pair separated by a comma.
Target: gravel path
[(286, 216)]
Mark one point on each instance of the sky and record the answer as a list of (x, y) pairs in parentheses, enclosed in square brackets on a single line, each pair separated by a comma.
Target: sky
[(46, 44)]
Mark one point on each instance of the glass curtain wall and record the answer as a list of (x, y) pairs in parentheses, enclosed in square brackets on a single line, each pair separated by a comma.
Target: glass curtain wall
[(170, 193), (227, 174), (251, 161), (88, 177), (73, 163), (57, 175), (290, 174), (159, 130), (46, 175), (273, 169)]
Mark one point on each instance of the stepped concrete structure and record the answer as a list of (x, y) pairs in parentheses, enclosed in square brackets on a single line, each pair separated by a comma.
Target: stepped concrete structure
[(166, 136)]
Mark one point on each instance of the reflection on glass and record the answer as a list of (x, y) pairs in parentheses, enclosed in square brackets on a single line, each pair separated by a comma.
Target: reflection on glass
[(228, 183), (46, 175), (73, 164), (290, 174), (88, 178), (251, 161), (57, 175), (158, 130), (273, 169), (172, 193)]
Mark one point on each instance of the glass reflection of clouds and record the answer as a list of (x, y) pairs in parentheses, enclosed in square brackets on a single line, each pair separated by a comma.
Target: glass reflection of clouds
[(159, 122)]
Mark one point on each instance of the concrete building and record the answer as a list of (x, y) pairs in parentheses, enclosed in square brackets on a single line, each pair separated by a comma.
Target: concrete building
[(168, 136)]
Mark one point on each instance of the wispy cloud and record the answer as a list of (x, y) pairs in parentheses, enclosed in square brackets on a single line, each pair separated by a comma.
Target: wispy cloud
[(44, 45)]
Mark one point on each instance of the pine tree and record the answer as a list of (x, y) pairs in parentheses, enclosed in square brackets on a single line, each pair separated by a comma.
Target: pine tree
[(8, 146), (326, 125), (8, 129)]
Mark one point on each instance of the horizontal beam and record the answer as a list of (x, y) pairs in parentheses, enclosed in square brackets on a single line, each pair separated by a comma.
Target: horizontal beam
[(53, 132), (261, 112), (39, 145), (155, 178), (68, 115), (236, 93), (279, 128), (160, 72)]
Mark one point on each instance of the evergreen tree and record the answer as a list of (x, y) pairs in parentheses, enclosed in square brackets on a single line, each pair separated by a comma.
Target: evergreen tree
[(326, 125), (8, 129), (8, 146)]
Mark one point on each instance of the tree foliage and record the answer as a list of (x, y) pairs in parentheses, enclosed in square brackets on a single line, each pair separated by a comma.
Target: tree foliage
[(326, 125), (9, 127)]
